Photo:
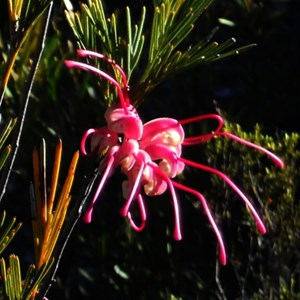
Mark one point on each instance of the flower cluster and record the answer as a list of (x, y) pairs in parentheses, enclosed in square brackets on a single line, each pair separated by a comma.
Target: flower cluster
[(150, 154)]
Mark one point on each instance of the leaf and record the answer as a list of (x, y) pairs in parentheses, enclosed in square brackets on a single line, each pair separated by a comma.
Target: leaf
[(49, 215), (168, 54), (95, 30), (23, 16), (172, 23), (8, 229), (13, 287), (4, 153)]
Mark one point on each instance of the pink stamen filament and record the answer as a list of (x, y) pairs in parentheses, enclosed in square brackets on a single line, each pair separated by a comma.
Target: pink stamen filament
[(194, 140), (83, 66), (137, 181), (259, 223), (205, 117), (177, 228), (209, 216), (88, 215), (84, 53), (189, 141), (83, 141), (113, 160), (278, 162), (143, 215)]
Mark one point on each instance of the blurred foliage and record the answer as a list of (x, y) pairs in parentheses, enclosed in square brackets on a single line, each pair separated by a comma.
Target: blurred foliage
[(261, 85), (259, 267), (273, 260)]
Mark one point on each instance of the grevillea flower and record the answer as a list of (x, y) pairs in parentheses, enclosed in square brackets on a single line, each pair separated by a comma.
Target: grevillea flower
[(150, 154)]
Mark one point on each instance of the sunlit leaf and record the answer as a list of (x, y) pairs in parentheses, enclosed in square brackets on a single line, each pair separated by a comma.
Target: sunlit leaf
[(8, 229)]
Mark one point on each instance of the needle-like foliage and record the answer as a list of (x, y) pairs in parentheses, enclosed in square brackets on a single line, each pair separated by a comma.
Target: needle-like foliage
[(48, 218), (5, 150), (172, 23), (23, 16), (13, 287), (8, 230), (49, 215), (95, 30)]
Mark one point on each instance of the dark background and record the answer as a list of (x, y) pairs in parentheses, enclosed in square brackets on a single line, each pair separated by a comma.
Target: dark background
[(107, 259)]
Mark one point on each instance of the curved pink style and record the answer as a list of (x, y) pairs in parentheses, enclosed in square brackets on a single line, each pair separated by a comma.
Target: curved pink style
[(149, 155)]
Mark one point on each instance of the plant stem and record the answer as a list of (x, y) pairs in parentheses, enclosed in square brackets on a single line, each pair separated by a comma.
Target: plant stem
[(24, 97)]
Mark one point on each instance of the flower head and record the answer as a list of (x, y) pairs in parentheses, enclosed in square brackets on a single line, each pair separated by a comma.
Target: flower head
[(149, 154)]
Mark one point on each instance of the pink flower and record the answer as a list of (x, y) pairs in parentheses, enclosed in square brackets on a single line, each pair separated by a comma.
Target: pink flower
[(150, 154)]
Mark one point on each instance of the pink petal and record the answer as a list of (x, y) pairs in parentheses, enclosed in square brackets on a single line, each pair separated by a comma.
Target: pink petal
[(165, 131), (170, 164), (127, 123), (171, 169), (101, 140), (156, 186), (129, 126), (125, 156)]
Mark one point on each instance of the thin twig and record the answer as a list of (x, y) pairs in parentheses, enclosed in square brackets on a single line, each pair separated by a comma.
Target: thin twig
[(25, 100)]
